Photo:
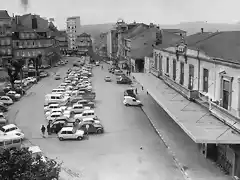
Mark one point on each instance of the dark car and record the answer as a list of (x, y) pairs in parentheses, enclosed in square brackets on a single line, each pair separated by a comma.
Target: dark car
[(3, 108), (93, 128), (124, 80), (130, 92), (57, 125)]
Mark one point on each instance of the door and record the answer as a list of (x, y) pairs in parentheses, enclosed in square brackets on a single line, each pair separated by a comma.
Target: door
[(91, 128), (225, 94), (70, 135), (181, 73), (160, 65), (174, 69), (191, 77)]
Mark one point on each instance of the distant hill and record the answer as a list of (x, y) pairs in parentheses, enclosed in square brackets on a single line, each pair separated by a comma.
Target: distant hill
[(195, 27), (96, 29)]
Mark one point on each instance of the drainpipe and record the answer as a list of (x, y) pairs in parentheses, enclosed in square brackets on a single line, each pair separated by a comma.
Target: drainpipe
[(198, 69)]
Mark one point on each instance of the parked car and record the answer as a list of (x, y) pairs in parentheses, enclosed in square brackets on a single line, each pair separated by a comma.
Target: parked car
[(130, 92), (3, 120), (124, 80), (43, 74), (107, 79), (70, 133), (13, 95), (11, 129), (76, 108), (3, 108), (131, 101), (57, 77), (92, 127), (6, 100)]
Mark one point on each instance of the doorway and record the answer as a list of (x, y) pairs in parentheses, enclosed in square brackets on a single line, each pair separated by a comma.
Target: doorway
[(191, 77), (225, 94)]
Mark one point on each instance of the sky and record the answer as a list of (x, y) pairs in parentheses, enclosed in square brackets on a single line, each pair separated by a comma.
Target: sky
[(147, 11)]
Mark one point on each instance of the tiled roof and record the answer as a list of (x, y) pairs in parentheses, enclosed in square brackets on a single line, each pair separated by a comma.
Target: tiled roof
[(174, 30), (224, 45), (134, 31), (168, 39), (4, 14), (84, 35)]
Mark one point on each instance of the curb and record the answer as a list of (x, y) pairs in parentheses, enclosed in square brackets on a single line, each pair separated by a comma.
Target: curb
[(176, 161)]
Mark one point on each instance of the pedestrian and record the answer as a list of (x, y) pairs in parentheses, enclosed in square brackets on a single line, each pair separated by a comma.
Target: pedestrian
[(136, 90), (142, 88), (48, 129), (43, 129)]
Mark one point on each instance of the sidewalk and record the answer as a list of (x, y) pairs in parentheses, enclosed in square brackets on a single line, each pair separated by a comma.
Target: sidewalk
[(184, 150)]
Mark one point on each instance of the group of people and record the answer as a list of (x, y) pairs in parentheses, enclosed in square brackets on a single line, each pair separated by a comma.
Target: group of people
[(57, 129)]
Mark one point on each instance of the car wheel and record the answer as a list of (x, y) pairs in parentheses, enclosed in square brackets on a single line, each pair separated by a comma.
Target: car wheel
[(79, 138), (127, 104), (60, 138), (99, 131)]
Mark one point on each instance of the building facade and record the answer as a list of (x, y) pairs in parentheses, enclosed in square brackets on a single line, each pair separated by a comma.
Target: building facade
[(83, 43), (73, 30), (192, 68), (31, 37), (112, 43), (5, 37), (62, 39)]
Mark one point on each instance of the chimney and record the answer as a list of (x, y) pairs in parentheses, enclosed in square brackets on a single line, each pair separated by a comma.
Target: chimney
[(151, 25), (34, 22), (202, 30), (17, 21)]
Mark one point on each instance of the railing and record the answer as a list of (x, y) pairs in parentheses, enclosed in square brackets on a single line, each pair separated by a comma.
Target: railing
[(189, 94)]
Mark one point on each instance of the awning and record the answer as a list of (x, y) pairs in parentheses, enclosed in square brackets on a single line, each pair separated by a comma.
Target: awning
[(200, 126)]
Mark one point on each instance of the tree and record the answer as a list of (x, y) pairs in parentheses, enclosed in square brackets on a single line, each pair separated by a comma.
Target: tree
[(14, 68), (19, 164)]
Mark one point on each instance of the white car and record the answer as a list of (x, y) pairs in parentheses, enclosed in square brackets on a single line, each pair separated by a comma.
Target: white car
[(6, 100), (90, 120), (131, 101), (14, 94), (11, 129), (54, 110), (67, 113), (50, 107), (70, 133), (76, 108), (54, 116), (31, 79)]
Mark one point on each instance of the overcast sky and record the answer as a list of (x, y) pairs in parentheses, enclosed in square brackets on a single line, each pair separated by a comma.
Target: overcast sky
[(156, 11)]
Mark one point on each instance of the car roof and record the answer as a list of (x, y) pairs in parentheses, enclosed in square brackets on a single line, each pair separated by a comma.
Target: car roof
[(1, 113), (67, 129), (57, 109), (55, 104), (56, 113), (77, 105), (9, 126), (88, 111), (87, 119)]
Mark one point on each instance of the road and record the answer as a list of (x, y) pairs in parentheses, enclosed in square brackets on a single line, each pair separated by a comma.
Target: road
[(116, 154)]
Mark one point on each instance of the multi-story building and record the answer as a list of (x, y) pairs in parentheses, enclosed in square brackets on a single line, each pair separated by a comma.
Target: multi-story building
[(5, 37), (31, 37), (83, 43), (112, 43), (61, 37), (205, 69), (73, 30)]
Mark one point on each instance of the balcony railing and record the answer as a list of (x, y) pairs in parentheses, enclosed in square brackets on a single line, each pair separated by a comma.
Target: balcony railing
[(189, 94)]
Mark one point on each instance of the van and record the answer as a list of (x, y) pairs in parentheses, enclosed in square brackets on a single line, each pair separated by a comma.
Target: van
[(56, 98), (88, 114), (58, 91), (10, 141), (131, 101)]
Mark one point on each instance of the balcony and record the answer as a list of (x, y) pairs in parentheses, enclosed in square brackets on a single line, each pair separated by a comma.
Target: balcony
[(189, 94)]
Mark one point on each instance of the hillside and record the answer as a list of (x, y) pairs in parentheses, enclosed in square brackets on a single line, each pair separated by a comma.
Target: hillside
[(195, 27)]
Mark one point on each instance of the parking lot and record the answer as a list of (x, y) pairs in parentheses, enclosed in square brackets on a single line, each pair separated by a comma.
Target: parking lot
[(128, 149)]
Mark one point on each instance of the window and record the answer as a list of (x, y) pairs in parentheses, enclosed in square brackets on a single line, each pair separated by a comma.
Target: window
[(155, 61), (205, 80), (1, 143), (64, 132), (226, 94), (17, 44), (16, 140), (8, 142), (181, 73), (174, 69), (167, 65), (191, 77)]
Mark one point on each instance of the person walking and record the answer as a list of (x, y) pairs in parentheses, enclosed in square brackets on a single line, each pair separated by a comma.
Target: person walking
[(136, 91), (48, 129), (43, 129)]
